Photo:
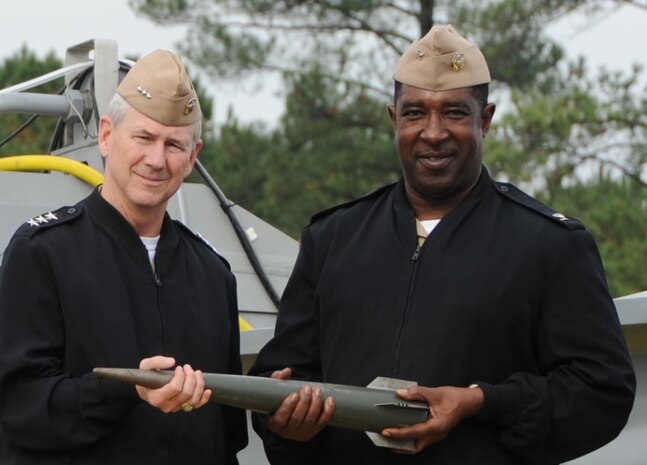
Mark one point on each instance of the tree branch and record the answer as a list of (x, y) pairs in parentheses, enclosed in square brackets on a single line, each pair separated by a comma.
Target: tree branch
[(377, 90), (366, 27)]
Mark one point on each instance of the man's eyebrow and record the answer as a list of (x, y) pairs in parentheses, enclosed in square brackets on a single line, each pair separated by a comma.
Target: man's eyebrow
[(445, 104), (142, 130), (182, 141), (172, 140), (412, 103), (456, 103)]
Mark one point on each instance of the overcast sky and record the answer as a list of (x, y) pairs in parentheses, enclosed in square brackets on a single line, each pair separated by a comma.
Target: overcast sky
[(615, 41)]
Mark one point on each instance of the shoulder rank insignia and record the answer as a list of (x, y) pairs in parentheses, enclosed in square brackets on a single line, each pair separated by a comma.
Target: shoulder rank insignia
[(40, 219), (51, 218), (520, 197), (560, 216), (323, 213)]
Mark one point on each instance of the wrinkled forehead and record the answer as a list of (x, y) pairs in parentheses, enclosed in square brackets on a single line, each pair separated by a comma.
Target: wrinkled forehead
[(137, 124)]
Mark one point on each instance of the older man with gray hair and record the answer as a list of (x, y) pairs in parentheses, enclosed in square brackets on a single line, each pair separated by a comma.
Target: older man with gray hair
[(114, 281)]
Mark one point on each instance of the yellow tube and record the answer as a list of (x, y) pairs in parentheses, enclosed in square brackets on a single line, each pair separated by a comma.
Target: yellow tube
[(68, 166), (243, 324), (52, 163)]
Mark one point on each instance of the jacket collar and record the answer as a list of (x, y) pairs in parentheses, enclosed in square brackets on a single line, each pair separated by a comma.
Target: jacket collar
[(113, 221), (484, 181)]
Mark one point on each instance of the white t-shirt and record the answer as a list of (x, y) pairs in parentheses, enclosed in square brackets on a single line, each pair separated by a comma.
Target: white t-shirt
[(151, 245), (429, 225)]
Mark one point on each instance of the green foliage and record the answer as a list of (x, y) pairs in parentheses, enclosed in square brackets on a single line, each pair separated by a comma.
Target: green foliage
[(523, 52), (356, 40), (19, 67), (615, 212), (312, 161), (554, 134)]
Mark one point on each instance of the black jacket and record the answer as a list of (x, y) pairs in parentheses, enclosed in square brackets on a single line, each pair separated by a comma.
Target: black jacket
[(504, 292), (77, 291)]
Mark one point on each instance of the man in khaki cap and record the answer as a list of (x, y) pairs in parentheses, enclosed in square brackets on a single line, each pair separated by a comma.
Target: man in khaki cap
[(113, 281), (494, 304)]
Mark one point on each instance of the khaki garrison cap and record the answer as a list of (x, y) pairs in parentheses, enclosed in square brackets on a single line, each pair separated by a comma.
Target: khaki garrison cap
[(442, 60), (158, 86)]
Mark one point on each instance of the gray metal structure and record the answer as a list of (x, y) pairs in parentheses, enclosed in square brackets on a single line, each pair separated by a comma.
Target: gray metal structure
[(92, 70)]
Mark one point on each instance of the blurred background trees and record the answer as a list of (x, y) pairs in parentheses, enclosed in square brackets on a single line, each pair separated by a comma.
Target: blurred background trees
[(574, 138), (21, 66)]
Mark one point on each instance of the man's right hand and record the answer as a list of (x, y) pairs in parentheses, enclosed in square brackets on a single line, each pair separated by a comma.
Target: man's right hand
[(303, 414), (186, 386)]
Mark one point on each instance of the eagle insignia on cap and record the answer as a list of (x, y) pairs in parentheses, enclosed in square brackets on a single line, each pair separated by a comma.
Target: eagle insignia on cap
[(419, 54), (144, 92), (458, 61), (190, 106)]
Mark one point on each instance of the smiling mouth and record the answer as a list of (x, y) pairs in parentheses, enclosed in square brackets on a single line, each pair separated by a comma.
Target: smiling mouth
[(431, 161), (151, 179)]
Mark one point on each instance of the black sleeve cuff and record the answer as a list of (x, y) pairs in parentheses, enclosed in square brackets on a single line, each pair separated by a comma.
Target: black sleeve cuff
[(502, 404)]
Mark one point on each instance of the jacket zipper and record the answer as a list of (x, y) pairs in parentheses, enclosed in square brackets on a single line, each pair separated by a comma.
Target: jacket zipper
[(405, 313), (158, 284)]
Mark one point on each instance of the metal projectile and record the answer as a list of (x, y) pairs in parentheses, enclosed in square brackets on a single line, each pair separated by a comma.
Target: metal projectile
[(371, 409)]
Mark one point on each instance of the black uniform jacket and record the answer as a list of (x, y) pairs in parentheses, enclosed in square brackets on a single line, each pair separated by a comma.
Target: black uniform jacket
[(77, 291), (504, 293)]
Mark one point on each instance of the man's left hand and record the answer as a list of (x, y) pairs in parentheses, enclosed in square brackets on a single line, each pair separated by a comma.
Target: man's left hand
[(448, 406)]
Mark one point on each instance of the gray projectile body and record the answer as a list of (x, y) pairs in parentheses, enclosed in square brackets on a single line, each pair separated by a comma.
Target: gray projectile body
[(371, 409)]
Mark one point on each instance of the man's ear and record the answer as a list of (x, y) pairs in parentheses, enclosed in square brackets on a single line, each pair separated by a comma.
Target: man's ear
[(105, 132), (194, 156), (486, 117), (391, 109)]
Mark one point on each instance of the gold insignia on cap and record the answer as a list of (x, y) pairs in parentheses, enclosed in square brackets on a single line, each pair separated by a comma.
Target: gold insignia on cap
[(190, 105), (458, 61), (420, 54)]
